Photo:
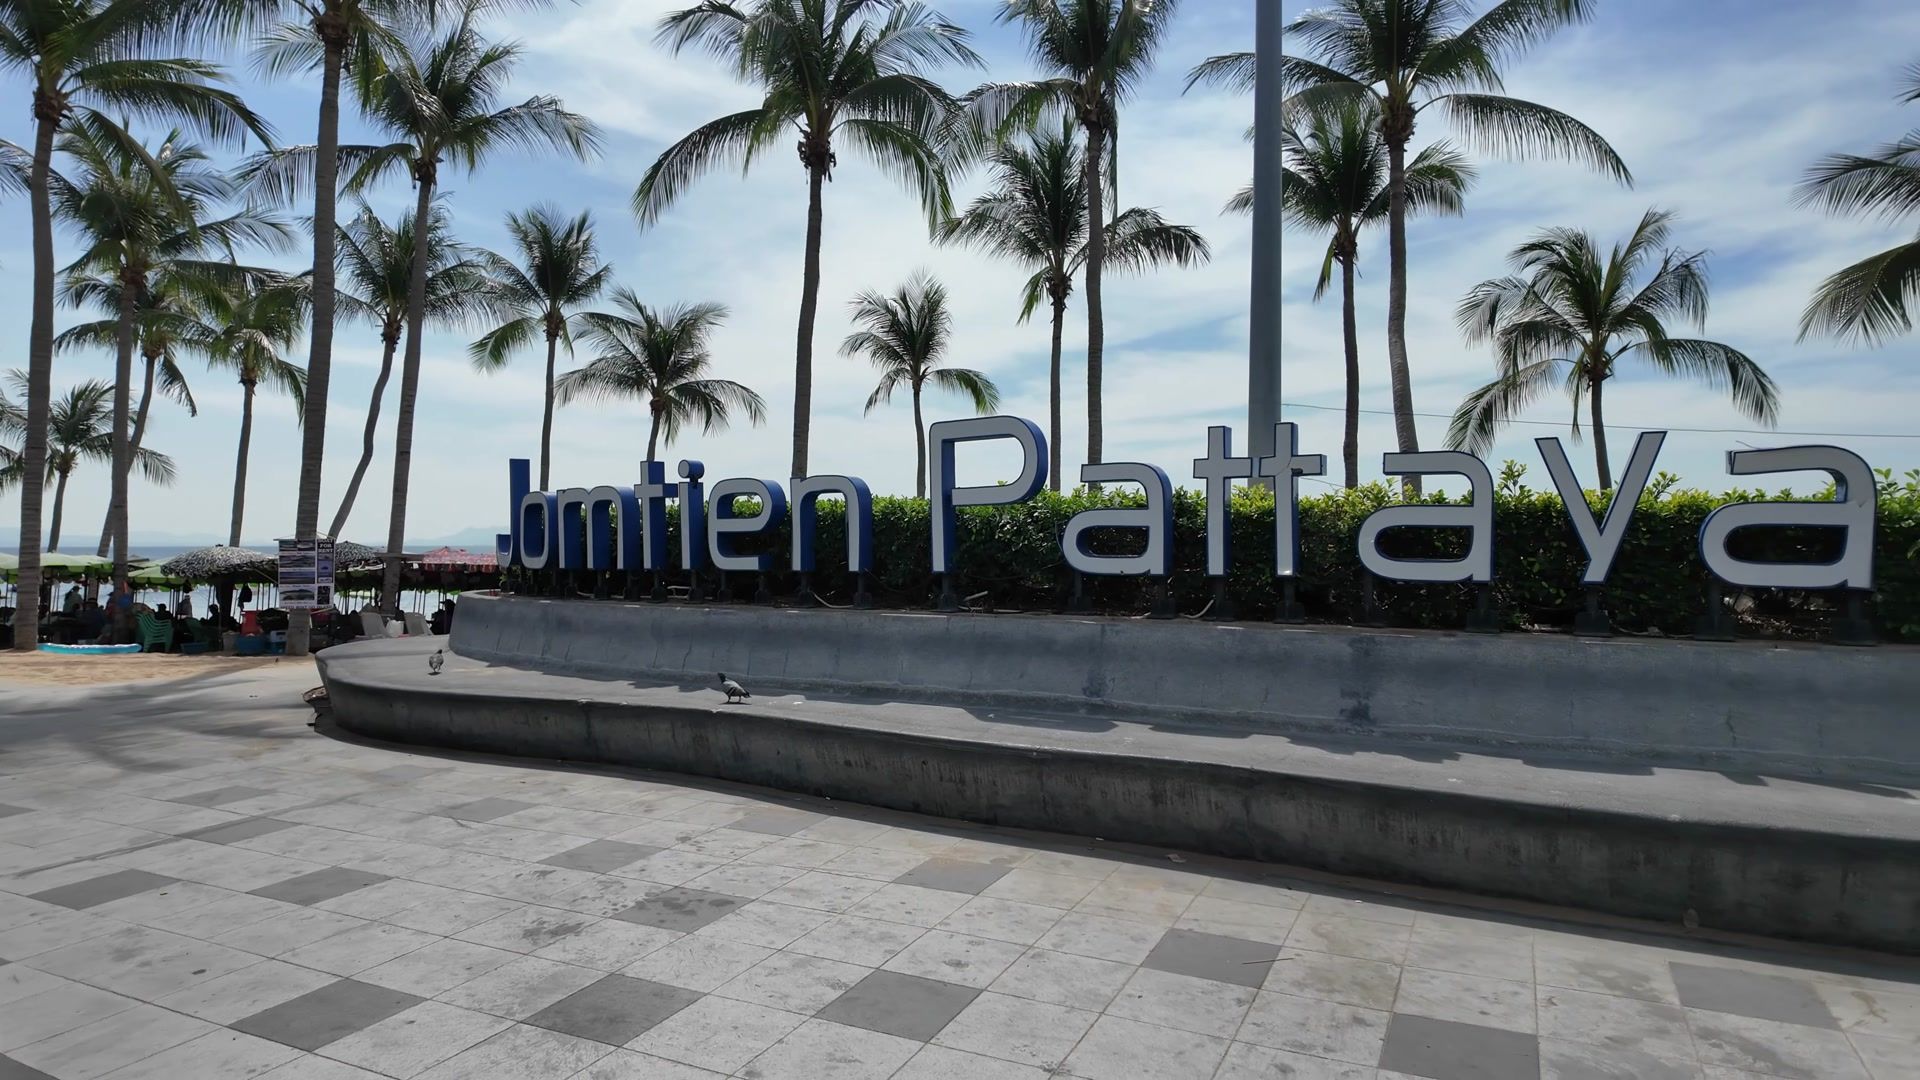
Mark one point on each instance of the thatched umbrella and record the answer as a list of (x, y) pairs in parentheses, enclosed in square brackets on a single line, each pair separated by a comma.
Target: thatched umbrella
[(221, 563)]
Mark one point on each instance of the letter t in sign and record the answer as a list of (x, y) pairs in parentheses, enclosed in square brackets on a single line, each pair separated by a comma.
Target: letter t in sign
[(1284, 468), (1218, 470)]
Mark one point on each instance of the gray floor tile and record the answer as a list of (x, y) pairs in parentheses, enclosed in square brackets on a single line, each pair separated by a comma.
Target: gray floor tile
[(9, 1068), (1750, 993), (952, 875), (1212, 956), (322, 1016), (244, 829), (684, 910), (402, 773), (614, 1010), (8, 811), (776, 822), (486, 809), (100, 890), (221, 796), (601, 856), (320, 885), (897, 1004), (1444, 1050)]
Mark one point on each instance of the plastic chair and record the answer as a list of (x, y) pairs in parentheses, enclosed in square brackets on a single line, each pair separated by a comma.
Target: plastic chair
[(153, 635), (416, 624)]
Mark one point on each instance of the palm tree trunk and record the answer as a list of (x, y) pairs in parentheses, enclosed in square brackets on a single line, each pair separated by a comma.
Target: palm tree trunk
[(1096, 261), (546, 417), (920, 447), (33, 456), (366, 441), (240, 464), (59, 502), (1350, 449), (326, 168), (809, 305), (139, 435), (1600, 439), (1053, 405), (409, 390), (130, 287), (1403, 425), (653, 433)]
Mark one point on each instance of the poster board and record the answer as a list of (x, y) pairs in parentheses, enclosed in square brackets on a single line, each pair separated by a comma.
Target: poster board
[(306, 573)]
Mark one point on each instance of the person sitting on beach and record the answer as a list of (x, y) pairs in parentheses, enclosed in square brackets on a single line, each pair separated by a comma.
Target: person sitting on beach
[(93, 620), (160, 612), (442, 621)]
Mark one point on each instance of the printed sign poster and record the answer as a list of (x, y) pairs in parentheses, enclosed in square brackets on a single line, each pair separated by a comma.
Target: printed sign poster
[(306, 573)]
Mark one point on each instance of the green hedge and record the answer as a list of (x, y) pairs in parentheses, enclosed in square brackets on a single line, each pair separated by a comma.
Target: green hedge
[(1012, 555)]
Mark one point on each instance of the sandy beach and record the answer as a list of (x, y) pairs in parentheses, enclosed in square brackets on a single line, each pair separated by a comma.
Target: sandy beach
[(55, 669)]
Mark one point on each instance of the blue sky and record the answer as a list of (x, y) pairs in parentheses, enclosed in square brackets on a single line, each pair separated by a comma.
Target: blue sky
[(1718, 106)]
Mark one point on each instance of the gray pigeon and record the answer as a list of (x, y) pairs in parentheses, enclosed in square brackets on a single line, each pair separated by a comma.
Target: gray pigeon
[(735, 692), (436, 661)]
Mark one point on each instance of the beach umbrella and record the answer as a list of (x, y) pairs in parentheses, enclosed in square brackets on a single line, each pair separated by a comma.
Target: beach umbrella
[(346, 554), (153, 577), (216, 563)]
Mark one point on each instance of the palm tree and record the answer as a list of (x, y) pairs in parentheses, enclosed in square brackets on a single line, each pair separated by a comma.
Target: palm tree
[(1871, 300), (906, 335), (1571, 317), (436, 97), (660, 357), (137, 223), (255, 328), (377, 261), (1035, 213), (839, 73), (87, 59), (1096, 52), (559, 270), (1335, 180), (164, 320), (304, 36), (13, 425), (80, 428), (1406, 56)]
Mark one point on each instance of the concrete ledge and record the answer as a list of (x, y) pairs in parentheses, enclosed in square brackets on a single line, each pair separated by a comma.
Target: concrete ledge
[(1807, 710), (1814, 860)]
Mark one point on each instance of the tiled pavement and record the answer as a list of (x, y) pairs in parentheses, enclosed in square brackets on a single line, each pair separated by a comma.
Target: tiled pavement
[(193, 885)]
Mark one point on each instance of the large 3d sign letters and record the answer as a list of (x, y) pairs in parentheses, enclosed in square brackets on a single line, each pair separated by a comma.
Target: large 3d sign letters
[(946, 435), (651, 495), (506, 545), (1218, 470), (570, 508), (693, 516), (725, 524), (1285, 469), (613, 514), (1156, 518), (538, 521), (609, 528), (1602, 539), (1477, 516), (806, 519), (1851, 510)]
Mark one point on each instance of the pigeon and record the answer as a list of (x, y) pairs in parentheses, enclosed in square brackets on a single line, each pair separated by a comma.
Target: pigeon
[(735, 692), (436, 661)]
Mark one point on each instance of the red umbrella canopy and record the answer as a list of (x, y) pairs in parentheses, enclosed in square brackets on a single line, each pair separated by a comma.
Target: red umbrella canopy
[(453, 558)]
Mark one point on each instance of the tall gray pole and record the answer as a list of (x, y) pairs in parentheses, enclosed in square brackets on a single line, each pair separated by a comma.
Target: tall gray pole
[(1263, 352)]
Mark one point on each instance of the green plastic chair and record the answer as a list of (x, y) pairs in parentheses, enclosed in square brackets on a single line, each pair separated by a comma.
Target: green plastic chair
[(153, 635)]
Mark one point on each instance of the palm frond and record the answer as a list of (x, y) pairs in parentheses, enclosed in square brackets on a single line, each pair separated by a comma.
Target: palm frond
[(1869, 302)]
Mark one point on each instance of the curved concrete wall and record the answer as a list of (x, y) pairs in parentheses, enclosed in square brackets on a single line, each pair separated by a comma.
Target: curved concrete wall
[(1810, 710), (1795, 879)]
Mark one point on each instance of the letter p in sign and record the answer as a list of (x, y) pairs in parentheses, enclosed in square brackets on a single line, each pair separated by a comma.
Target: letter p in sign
[(947, 434)]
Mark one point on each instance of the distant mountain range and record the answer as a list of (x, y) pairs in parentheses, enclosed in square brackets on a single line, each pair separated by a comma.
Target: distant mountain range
[(476, 537)]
